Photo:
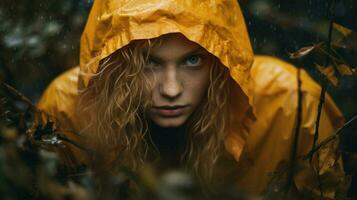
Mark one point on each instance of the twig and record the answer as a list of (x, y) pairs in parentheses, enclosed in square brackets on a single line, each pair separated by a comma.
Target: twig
[(18, 95), (323, 85), (323, 93), (330, 138)]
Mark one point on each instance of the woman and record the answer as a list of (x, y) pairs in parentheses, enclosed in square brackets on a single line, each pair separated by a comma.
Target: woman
[(173, 83)]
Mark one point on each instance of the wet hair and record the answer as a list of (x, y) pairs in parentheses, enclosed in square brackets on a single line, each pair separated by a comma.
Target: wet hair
[(114, 104)]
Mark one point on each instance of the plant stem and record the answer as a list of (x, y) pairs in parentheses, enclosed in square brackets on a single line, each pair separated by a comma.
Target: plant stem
[(323, 85), (323, 94), (330, 138), (18, 95)]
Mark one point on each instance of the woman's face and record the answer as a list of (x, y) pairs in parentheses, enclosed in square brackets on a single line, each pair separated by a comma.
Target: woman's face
[(179, 71)]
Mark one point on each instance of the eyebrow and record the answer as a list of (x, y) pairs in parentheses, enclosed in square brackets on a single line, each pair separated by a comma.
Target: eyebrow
[(185, 55)]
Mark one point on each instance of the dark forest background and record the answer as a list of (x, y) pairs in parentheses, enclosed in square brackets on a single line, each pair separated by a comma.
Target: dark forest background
[(40, 39)]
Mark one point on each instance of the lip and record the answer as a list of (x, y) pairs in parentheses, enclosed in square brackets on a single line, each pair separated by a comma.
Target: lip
[(170, 111)]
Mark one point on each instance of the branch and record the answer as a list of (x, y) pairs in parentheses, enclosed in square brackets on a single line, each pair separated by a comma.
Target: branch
[(15, 93), (323, 85), (330, 138), (323, 92)]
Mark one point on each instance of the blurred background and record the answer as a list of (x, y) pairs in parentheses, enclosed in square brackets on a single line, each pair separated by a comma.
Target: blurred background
[(40, 39)]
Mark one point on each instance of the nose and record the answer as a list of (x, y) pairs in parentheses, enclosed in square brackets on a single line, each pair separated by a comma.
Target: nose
[(170, 86)]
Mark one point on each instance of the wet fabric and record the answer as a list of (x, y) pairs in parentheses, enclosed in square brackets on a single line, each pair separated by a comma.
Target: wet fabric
[(267, 87)]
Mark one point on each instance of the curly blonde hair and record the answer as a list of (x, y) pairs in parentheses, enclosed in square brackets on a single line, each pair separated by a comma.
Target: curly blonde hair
[(114, 105)]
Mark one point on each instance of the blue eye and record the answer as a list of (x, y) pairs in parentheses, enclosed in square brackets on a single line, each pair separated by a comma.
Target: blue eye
[(193, 61)]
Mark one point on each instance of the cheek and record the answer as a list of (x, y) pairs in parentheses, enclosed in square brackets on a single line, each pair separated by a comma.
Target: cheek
[(196, 84)]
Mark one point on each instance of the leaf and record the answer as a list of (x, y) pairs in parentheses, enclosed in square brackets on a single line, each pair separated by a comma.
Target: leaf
[(343, 30), (302, 52), (344, 70), (329, 73), (346, 38)]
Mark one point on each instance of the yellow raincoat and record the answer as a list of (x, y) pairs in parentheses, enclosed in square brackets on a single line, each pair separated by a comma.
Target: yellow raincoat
[(268, 87)]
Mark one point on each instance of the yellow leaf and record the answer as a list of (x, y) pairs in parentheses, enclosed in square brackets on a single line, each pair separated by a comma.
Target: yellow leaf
[(344, 69), (345, 31), (329, 72)]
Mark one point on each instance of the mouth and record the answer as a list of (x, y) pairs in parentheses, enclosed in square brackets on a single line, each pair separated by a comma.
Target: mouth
[(170, 111)]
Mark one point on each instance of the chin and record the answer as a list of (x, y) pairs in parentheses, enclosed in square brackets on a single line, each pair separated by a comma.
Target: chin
[(170, 122)]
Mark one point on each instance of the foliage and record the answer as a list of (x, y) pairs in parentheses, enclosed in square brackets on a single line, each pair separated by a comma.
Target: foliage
[(334, 65), (278, 27), (339, 65)]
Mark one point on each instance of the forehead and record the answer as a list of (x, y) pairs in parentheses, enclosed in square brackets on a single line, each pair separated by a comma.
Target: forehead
[(173, 45)]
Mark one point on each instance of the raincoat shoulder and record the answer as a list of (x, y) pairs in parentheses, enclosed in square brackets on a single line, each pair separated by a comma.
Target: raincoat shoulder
[(60, 95), (268, 147), (59, 101)]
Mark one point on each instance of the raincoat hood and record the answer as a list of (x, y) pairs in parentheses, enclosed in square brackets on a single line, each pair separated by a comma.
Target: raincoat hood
[(216, 25)]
